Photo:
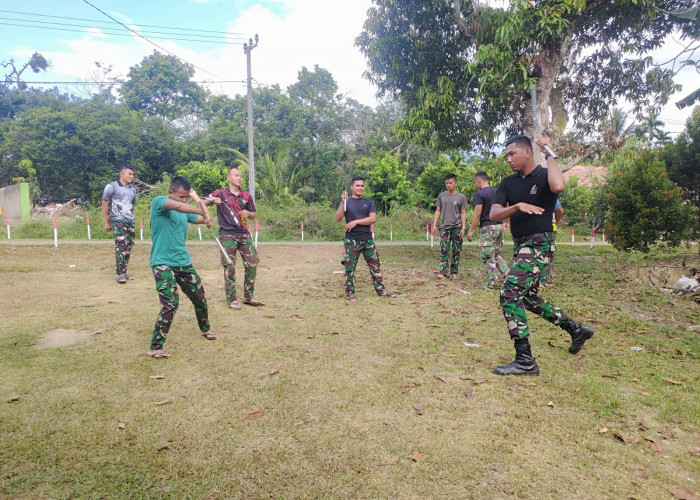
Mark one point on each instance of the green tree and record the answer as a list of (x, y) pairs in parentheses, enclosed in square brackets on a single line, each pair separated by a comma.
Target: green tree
[(36, 63), (204, 176), (161, 86), (643, 205), (464, 70), (386, 181), (682, 158)]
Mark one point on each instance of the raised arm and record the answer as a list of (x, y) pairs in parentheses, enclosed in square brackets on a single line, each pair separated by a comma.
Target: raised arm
[(554, 175), (340, 213)]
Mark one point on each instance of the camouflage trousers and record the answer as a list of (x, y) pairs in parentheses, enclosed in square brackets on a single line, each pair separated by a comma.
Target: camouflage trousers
[(123, 243), (519, 290), (244, 245), (167, 279), (490, 243), (450, 242), (353, 250), (548, 274)]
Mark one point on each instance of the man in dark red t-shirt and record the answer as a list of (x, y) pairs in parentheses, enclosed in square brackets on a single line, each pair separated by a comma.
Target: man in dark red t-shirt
[(235, 208)]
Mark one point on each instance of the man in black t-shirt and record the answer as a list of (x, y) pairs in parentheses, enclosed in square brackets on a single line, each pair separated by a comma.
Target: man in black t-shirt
[(528, 197), (490, 233), (360, 213)]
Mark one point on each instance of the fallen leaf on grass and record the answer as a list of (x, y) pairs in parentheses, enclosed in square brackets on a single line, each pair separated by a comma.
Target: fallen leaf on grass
[(256, 414), (550, 404), (13, 399), (122, 425), (603, 430), (468, 393), (297, 317), (621, 437), (671, 381), (164, 402), (695, 453), (441, 379), (274, 372), (656, 446), (406, 385), (499, 413), (644, 393), (98, 332), (480, 320), (417, 456), (676, 396), (419, 408), (683, 495), (268, 316), (643, 424), (578, 389), (163, 448), (609, 376), (156, 377)]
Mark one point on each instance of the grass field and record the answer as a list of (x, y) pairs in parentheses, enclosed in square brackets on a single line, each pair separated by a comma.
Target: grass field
[(315, 397)]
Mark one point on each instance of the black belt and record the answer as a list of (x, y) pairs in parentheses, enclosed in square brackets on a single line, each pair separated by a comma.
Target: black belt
[(523, 239)]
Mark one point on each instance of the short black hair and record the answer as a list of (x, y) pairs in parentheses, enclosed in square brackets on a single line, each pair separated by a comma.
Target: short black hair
[(124, 167), (232, 168), (450, 176), (180, 182), (357, 178), (520, 140), (482, 175)]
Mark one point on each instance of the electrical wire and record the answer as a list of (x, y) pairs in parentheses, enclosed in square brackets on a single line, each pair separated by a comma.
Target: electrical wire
[(120, 34), (217, 38), (149, 41), (107, 22)]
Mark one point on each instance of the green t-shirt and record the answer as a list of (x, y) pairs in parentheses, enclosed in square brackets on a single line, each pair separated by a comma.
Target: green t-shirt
[(168, 234)]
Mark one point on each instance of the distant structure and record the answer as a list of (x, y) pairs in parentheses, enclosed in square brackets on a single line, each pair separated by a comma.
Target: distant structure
[(588, 175)]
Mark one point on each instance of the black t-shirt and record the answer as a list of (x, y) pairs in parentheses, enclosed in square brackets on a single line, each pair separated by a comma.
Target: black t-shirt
[(485, 197), (532, 189), (359, 208)]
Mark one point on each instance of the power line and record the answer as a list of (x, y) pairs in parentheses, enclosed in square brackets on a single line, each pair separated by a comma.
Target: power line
[(147, 32), (106, 22), (149, 41), (119, 34)]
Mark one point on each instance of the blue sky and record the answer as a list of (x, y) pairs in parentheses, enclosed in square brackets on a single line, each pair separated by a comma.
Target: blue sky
[(293, 34)]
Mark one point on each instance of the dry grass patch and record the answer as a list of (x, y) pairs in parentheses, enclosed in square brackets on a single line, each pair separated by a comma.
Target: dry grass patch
[(315, 397)]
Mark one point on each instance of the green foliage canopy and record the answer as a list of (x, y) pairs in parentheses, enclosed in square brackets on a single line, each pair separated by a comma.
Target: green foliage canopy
[(644, 205)]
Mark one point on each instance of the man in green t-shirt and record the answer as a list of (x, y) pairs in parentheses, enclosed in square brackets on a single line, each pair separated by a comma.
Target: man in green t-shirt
[(171, 263)]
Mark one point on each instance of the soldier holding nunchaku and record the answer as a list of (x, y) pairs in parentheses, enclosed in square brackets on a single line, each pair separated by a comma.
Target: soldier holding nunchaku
[(235, 208)]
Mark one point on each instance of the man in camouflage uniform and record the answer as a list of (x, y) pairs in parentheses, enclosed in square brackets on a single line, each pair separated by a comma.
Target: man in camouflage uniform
[(171, 263), (118, 213), (528, 198), (235, 208), (453, 208), (490, 232), (360, 213)]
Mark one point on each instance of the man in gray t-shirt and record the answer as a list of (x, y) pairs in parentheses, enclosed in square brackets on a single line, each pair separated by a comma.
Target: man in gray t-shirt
[(118, 201), (453, 208)]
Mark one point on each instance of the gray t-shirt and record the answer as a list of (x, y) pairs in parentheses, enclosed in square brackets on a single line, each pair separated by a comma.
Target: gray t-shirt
[(122, 198), (451, 206)]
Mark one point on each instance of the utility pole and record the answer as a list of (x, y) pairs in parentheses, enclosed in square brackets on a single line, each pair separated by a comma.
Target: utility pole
[(247, 48)]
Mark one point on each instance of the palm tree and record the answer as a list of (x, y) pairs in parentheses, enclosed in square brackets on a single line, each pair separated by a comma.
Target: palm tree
[(615, 129), (651, 129)]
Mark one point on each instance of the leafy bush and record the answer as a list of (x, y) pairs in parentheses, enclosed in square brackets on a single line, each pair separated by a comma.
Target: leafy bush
[(644, 205)]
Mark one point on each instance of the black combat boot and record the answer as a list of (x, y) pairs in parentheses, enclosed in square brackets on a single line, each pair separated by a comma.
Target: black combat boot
[(524, 363), (579, 334)]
